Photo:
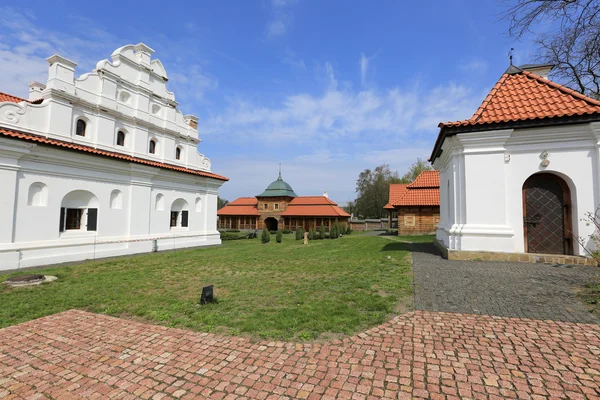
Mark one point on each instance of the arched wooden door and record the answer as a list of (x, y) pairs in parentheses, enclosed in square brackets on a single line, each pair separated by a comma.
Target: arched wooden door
[(547, 215)]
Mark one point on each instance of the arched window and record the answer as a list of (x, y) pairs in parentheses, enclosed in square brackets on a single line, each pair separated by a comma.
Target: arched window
[(79, 212), (179, 214), (120, 138), (38, 195), (81, 125), (160, 202), (198, 204), (178, 153), (116, 200), (152, 146)]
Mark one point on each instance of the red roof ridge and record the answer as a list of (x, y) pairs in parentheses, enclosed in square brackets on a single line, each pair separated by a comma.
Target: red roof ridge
[(88, 149), (562, 88)]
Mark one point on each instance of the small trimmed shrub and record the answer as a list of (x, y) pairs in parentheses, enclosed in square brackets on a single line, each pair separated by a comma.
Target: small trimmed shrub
[(348, 230), (333, 232), (286, 231), (300, 233), (233, 235), (311, 234), (279, 236), (265, 237), (322, 232)]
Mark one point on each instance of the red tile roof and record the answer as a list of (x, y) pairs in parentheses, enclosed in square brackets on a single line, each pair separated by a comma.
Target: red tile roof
[(232, 209), (426, 179), (87, 149), (423, 191), (419, 197), (396, 191), (311, 200), (521, 95), (526, 96), (314, 211), (15, 99), (244, 201)]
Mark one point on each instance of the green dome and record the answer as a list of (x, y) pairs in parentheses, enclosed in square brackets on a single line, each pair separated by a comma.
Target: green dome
[(278, 188)]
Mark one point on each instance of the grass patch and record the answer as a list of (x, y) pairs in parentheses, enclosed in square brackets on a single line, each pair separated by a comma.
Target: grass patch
[(277, 290), (591, 296)]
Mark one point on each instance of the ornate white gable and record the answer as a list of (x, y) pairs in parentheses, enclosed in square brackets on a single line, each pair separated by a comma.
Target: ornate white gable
[(127, 94)]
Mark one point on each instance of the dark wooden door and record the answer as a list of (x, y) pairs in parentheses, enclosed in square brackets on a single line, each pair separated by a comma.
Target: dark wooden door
[(547, 215)]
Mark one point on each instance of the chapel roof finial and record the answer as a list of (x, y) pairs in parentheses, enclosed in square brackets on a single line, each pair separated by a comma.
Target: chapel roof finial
[(510, 55), (280, 179)]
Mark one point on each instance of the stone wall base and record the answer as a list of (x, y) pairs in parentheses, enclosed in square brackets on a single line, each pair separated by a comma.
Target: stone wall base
[(514, 257)]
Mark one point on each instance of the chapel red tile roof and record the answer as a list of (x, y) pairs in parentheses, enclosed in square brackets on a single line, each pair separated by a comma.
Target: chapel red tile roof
[(521, 95), (527, 96), (396, 191), (423, 191), (87, 149)]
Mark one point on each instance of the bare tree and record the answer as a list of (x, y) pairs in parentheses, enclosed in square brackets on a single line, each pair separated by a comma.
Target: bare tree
[(572, 42)]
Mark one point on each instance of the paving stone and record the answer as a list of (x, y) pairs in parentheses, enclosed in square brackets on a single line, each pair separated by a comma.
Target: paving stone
[(507, 289), (422, 354)]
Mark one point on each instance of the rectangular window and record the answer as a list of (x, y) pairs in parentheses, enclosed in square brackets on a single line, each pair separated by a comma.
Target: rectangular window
[(92, 219), (184, 219), (174, 215), (266, 207), (409, 220), (73, 220), (276, 206)]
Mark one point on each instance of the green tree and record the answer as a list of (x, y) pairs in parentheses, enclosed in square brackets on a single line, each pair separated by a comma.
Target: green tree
[(300, 233), (373, 189), (221, 203), (415, 170), (322, 232), (311, 234), (279, 237), (266, 236)]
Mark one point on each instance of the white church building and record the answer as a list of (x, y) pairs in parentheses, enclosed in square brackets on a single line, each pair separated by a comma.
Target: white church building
[(519, 176), (101, 165)]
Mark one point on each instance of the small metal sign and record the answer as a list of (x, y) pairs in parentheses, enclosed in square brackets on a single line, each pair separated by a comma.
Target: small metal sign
[(207, 295)]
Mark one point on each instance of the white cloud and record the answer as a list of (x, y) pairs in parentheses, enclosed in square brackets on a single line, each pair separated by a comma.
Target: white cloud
[(292, 59), (450, 102), (276, 28), (477, 66), (281, 19), (364, 66)]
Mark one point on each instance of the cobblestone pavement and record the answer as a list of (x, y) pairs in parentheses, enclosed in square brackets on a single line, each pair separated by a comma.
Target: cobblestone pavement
[(508, 289), (418, 355)]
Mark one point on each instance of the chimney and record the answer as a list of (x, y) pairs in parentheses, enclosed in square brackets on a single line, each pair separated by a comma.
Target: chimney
[(325, 194), (539, 69), (61, 74), (191, 120), (35, 90), (143, 53)]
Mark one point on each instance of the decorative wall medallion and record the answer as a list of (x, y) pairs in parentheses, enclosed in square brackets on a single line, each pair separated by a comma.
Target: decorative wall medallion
[(544, 155), (545, 162)]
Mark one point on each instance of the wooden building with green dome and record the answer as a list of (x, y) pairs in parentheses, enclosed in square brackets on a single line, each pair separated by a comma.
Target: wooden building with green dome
[(279, 207)]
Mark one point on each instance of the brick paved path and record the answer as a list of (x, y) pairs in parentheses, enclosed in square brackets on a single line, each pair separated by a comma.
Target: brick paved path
[(418, 355), (507, 289)]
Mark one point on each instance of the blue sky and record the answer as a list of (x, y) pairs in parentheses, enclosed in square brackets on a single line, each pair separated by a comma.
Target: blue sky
[(327, 88)]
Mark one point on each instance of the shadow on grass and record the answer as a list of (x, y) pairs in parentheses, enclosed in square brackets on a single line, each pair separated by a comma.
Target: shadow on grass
[(427, 248)]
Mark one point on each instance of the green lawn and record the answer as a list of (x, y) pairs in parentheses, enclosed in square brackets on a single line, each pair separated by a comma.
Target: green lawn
[(286, 291)]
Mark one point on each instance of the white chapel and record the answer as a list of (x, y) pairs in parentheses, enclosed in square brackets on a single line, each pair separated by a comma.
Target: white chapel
[(101, 165), (521, 174)]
